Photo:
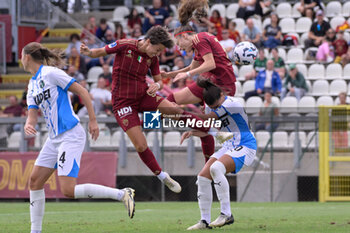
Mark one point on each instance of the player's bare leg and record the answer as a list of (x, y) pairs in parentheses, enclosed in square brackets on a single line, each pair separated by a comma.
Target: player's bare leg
[(139, 140)]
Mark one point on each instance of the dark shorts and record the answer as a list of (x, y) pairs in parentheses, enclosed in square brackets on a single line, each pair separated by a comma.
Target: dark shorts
[(126, 111)]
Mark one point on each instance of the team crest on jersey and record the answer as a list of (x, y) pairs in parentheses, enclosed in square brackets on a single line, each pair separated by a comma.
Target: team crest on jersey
[(41, 84), (125, 122), (158, 98), (112, 45), (129, 54), (139, 59)]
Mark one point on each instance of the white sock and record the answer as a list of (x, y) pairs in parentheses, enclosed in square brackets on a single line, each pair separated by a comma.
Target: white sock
[(37, 209), (213, 132), (205, 197), (161, 175), (218, 171), (97, 191)]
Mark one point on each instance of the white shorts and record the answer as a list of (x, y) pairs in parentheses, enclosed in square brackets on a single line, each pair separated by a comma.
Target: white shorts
[(64, 152), (241, 155)]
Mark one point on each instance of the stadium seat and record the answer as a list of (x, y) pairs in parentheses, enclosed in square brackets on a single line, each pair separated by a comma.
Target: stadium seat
[(140, 9), (346, 71), (337, 86), (248, 86), (287, 25), (312, 139), (239, 90), (120, 12), (231, 10), (295, 12), (320, 88), (14, 140), (303, 37), (307, 58), (289, 105), (174, 8), (40, 139), (306, 104), (334, 71), (257, 23), (280, 139), (93, 73), (240, 100), (346, 9), (244, 70), (303, 24), (240, 24), (150, 138), (324, 100), (302, 138), (336, 21), (115, 139), (172, 139), (316, 72), (302, 69), (284, 10), (253, 104), (235, 70), (282, 53), (103, 140), (276, 101), (295, 55), (262, 138), (333, 9), (309, 86), (266, 22), (219, 7), (347, 36)]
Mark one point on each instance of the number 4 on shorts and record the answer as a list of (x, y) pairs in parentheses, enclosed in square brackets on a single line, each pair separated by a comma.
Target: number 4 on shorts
[(62, 158)]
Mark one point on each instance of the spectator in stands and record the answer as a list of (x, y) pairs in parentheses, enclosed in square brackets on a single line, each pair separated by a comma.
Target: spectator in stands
[(136, 33), (109, 37), (295, 84), (307, 7), (179, 63), (76, 60), (272, 33), (74, 42), (233, 33), (133, 18), (269, 108), (13, 110), (77, 102), (156, 16), (213, 30), (267, 80), (217, 20), (101, 97), (74, 73), (340, 46), (101, 30), (259, 64), (325, 52), (246, 8), (119, 31), (342, 98), (345, 58), (89, 27), (107, 75), (330, 35), (266, 7), (317, 31), (168, 55), (188, 57), (279, 63), (91, 44), (3, 133), (340, 128), (228, 44), (251, 33)]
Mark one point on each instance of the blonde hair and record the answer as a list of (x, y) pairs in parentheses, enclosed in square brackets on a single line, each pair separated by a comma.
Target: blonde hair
[(43, 55), (190, 8)]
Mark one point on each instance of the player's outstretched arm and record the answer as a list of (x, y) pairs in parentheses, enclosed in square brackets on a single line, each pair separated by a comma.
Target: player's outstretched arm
[(29, 127), (93, 53), (85, 96)]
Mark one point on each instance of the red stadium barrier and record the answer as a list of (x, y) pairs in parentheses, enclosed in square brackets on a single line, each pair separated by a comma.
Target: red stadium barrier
[(15, 169)]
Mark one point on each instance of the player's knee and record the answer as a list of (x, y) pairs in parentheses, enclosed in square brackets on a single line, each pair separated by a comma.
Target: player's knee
[(141, 147), (34, 183), (215, 168)]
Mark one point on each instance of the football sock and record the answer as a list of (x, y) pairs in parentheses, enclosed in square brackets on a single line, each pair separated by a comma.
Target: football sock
[(171, 98), (37, 208), (161, 175), (97, 191), (187, 116), (150, 161), (218, 171), (208, 146), (205, 197)]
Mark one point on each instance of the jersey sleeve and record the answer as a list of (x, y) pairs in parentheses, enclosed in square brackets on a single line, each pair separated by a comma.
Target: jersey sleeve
[(61, 79), (203, 47), (115, 47), (30, 99), (155, 66)]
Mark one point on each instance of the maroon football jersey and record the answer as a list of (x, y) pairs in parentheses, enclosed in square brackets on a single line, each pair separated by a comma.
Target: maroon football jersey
[(204, 43), (130, 69)]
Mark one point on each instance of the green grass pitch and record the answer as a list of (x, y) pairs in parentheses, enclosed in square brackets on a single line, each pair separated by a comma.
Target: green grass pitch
[(95, 217)]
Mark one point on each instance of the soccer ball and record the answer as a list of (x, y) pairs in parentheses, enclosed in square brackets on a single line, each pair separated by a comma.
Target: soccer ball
[(245, 53)]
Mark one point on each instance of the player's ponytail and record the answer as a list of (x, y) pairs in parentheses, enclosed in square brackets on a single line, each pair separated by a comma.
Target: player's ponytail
[(192, 8), (211, 92), (43, 55)]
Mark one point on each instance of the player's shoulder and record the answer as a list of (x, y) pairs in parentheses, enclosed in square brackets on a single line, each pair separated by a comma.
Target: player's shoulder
[(200, 37), (130, 42), (231, 102)]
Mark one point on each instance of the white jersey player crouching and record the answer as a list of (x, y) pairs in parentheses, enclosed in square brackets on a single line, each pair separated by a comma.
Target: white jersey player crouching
[(236, 152), (47, 90)]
